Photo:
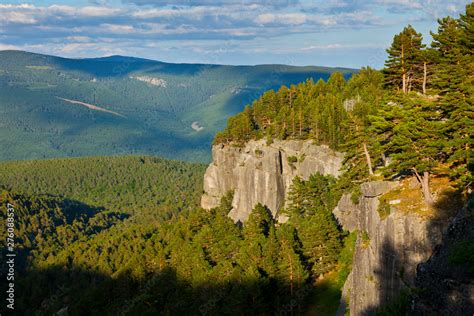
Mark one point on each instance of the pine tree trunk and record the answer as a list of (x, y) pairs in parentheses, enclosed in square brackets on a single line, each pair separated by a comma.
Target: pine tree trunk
[(404, 76), (410, 76), (425, 186), (424, 77), (369, 161), (293, 122), (385, 160), (301, 121)]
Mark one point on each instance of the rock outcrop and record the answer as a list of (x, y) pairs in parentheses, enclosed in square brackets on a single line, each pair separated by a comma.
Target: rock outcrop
[(263, 173), (388, 250)]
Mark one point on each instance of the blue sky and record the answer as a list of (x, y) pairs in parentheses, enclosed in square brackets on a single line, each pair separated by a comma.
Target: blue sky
[(346, 33)]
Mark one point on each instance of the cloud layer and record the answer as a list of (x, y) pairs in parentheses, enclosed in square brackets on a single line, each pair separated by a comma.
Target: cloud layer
[(187, 29)]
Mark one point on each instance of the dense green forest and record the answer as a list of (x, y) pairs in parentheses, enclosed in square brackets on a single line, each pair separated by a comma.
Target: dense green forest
[(58, 107), (124, 235), (100, 260), (145, 186)]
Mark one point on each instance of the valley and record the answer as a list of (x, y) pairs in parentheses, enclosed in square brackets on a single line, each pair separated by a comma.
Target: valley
[(129, 105)]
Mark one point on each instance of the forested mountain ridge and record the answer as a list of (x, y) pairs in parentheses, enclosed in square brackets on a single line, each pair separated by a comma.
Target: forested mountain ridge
[(59, 107)]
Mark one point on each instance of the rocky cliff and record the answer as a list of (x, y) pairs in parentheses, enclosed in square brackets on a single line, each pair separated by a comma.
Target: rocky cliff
[(397, 233), (389, 247), (263, 173)]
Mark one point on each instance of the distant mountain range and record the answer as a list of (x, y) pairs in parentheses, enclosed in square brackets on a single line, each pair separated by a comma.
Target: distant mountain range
[(58, 107)]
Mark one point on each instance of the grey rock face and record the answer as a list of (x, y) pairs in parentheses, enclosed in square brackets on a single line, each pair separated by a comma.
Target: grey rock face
[(346, 213), (385, 264), (263, 173)]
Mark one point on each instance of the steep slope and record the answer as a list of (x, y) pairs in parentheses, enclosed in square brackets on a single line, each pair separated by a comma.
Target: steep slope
[(145, 106)]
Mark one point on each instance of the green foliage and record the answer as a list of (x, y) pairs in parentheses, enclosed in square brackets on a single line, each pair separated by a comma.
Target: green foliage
[(44, 225), (416, 141), (346, 256), (310, 205), (307, 110), (366, 94), (327, 295), (171, 257), (149, 186), (454, 80), (195, 261), (356, 194), (402, 68), (384, 208), (463, 254), (292, 159), (258, 152), (318, 193)]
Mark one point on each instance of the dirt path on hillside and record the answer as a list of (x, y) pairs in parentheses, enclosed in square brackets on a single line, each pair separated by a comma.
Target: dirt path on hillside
[(92, 107)]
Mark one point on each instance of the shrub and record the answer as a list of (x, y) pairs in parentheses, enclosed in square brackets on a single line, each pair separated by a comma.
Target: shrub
[(292, 159)]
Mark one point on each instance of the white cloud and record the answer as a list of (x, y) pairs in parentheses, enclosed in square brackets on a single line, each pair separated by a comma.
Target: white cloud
[(282, 18), (9, 47), (17, 17), (117, 28), (89, 11), (340, 46), (78, 38), (329, 46)]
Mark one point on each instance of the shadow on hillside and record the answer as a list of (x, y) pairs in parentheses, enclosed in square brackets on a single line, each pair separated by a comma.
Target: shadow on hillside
[(445, 283), (437, 286), (83, 292)]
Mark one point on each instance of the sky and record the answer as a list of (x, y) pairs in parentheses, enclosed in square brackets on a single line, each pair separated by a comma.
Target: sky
[(338, 33)]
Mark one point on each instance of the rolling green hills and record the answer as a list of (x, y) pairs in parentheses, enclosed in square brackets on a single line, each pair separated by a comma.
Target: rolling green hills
[(57, 107), (136, 185)]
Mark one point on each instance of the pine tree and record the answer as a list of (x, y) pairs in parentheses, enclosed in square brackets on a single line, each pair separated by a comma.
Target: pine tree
[(415, 142), (321, 241), (290, 265), (259, 222), (358, 160), (404, 65), (455, 80)]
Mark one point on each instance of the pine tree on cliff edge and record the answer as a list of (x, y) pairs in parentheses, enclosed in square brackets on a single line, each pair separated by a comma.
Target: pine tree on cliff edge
[(405, 64)]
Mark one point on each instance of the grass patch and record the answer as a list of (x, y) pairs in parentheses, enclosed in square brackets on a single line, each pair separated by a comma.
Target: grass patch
[(384, 208), (410, 198), (365, 239)]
